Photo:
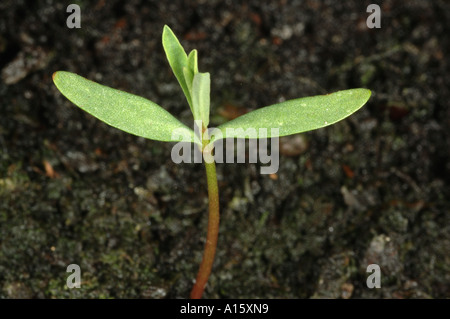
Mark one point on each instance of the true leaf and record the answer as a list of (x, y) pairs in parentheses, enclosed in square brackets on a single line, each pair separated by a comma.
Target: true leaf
[(200, 97), (190, 70), (125, 111), (177, 59), (192, 61), (299, 115)]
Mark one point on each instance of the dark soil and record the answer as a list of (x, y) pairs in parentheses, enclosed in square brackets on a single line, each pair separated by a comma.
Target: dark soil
[(372, 189)]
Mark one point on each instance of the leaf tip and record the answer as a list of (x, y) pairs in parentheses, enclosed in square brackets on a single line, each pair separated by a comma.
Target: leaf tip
[(367, 93), (167, 31)]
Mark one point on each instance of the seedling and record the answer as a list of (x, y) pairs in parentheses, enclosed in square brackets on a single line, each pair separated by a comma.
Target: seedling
[(141, 117)]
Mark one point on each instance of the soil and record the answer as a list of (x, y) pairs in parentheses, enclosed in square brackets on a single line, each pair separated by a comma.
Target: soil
[(372, 189)]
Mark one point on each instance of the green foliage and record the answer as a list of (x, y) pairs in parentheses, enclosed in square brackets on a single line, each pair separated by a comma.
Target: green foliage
[(191, 70), (142, 117), (127, 112), (200, 97), (183, 68), (301, 115)]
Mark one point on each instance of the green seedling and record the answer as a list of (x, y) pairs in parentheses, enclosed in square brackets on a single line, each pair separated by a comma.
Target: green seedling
[(141, 117)]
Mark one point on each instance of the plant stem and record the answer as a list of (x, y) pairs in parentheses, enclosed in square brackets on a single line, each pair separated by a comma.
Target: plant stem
[(213, 232)]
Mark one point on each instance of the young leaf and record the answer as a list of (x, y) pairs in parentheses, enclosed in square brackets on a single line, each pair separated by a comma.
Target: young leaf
[(177, 59), (190, 70), (200, 97), (300, 115), (193, 61), (125, 111)]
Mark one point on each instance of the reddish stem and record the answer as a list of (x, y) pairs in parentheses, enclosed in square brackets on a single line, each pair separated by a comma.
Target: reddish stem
[(213, 232)]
